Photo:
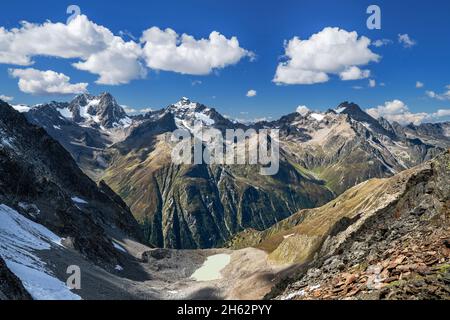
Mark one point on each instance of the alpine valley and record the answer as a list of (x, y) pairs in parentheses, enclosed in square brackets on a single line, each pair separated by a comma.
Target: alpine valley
[(359, 208)]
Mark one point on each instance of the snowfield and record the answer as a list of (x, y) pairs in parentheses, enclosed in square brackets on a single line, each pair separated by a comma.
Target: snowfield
[(20, 238)]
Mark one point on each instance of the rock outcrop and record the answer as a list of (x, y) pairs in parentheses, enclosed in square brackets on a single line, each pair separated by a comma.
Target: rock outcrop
[(11, 287), (385, 238)]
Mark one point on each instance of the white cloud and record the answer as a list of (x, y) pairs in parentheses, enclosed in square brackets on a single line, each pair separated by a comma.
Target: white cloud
[(439, 96), (441, 113), (372, 83), (131, 110), (406, 41), (354, 73), (381, 42), (168, 51), (46, 82), (196, 82), (251, 93), (113, 59), (303, 110), (119, 64), (100, 51), (6, 98), (419, 84), (398, 111), (331, 51)]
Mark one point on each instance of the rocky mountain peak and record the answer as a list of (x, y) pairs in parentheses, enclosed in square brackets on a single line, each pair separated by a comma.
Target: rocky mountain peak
[(102, 110), (353, 110), (183, 104)]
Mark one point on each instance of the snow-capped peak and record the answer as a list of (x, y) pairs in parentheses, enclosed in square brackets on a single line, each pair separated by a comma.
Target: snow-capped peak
[(185, 103), (22, 108), (188, 114), (102, 110)]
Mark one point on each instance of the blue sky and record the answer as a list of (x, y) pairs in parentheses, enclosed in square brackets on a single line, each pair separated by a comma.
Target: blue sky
[(260, 27)]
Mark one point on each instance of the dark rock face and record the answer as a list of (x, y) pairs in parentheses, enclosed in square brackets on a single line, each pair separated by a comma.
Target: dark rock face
[(37, 171), (11, 287)]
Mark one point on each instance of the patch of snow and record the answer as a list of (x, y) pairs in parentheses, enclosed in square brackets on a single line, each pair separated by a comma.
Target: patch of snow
[(30, 208), (204, 118), (21, 108), (340, 110), (19, 238), (292, 295), (211, 268), (84, 113), (126, 122), (118, 268), (93, 103), (5, 140), (66, 113), (119, 247), (79, 200), (319, 117), (57, 127)]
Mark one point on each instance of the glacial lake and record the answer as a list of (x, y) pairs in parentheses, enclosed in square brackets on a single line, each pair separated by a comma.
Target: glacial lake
[(211, 268)]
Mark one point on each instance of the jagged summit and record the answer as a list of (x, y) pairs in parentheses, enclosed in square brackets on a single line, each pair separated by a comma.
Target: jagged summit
[(102, 110)]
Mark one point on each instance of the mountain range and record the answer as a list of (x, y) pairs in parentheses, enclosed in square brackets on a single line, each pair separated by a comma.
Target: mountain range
[(359, 208), (203, 206)]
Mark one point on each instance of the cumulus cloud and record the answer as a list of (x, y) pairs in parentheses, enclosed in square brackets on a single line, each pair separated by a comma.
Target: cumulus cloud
[(166, 50), (331, 51), (372, 83), (100, 51), (382, 42), (398, 111), (303, 110), (251, 93), (441, 113), (419, 84), (439, 96), (354, 73), (406, 41), (46, 82), (113, 59), (119, 64), (134, 111), (6, 98)]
